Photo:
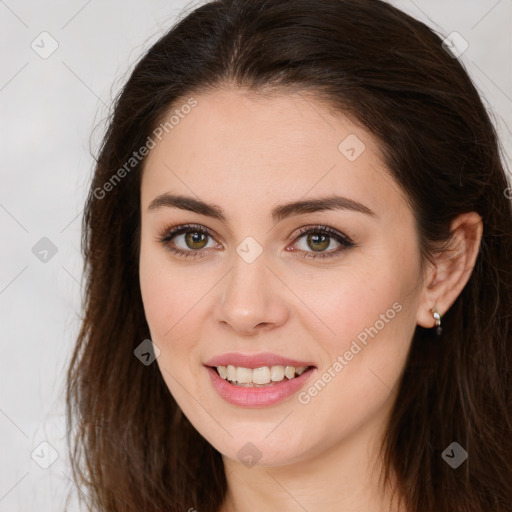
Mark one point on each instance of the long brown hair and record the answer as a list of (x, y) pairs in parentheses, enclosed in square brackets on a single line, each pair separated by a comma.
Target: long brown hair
[(131, 447)]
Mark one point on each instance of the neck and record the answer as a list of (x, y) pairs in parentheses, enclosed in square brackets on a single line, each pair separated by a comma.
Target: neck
[(346, 477)]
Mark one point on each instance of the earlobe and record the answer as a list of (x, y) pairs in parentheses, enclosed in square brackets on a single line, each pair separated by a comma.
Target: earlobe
[(452, 269)]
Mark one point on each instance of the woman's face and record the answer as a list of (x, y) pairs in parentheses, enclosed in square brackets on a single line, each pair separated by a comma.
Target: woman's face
[(247, 284)]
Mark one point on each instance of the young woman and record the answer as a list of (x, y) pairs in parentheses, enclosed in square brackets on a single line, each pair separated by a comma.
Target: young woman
[(297, 250)]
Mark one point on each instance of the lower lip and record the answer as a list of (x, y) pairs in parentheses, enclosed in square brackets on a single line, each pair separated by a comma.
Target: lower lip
[(257, 397)]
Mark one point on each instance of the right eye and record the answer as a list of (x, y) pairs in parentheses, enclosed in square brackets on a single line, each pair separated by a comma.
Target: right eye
[(194, 239)]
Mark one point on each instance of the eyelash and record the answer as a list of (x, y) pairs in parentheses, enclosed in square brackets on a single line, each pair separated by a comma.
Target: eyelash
[(169, 233)]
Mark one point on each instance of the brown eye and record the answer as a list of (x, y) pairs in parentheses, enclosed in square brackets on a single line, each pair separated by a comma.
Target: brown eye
[(196, 239), (319, 239), (186, 241), (318, 242)]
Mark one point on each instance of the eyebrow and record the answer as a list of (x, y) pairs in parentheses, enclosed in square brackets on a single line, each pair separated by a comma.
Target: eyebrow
[(280, 212)]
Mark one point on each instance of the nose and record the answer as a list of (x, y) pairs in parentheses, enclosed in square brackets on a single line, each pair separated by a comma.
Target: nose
[(253, 298)]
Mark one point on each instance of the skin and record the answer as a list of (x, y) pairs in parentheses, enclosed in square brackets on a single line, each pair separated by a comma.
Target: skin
[(248, 153)]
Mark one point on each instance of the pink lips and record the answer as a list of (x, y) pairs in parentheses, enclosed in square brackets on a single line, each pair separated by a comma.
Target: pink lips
[(264, 396), (255, 360)]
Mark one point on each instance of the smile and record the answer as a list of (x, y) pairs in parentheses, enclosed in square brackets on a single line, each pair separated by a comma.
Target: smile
[(252, 394), (258, 377)]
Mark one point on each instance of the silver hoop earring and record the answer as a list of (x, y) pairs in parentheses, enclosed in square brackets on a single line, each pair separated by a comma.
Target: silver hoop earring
[(437, 318)]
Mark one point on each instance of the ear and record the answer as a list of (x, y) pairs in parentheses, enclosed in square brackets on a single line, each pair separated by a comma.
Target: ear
[(446, 278)]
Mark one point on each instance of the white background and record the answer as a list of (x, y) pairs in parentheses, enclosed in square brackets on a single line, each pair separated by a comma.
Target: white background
[(49, 108)]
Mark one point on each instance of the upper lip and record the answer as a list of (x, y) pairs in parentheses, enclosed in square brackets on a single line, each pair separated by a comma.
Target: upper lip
[(255, 360)]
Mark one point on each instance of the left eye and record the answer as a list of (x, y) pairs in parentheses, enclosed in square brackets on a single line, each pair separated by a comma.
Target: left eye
[(195, 238), (320, 237)]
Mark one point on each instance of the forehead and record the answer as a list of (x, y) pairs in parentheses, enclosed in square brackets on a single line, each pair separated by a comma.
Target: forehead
[(236, 147)]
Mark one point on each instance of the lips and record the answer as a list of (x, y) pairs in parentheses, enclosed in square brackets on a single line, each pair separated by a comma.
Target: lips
[(252, 394), (256, 360), (263, 396)]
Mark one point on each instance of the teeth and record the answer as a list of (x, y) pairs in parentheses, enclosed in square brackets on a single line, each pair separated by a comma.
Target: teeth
[(277, 373), (243, 375), (223, 371), (231, 371), (289, 372), (259, 376)]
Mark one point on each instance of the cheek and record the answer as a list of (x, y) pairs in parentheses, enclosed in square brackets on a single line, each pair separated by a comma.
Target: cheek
[(168, 294), (158, 293), (347, 302), (373, 327), (377, 298), (175, 306), (367, 319), (169, 298)]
